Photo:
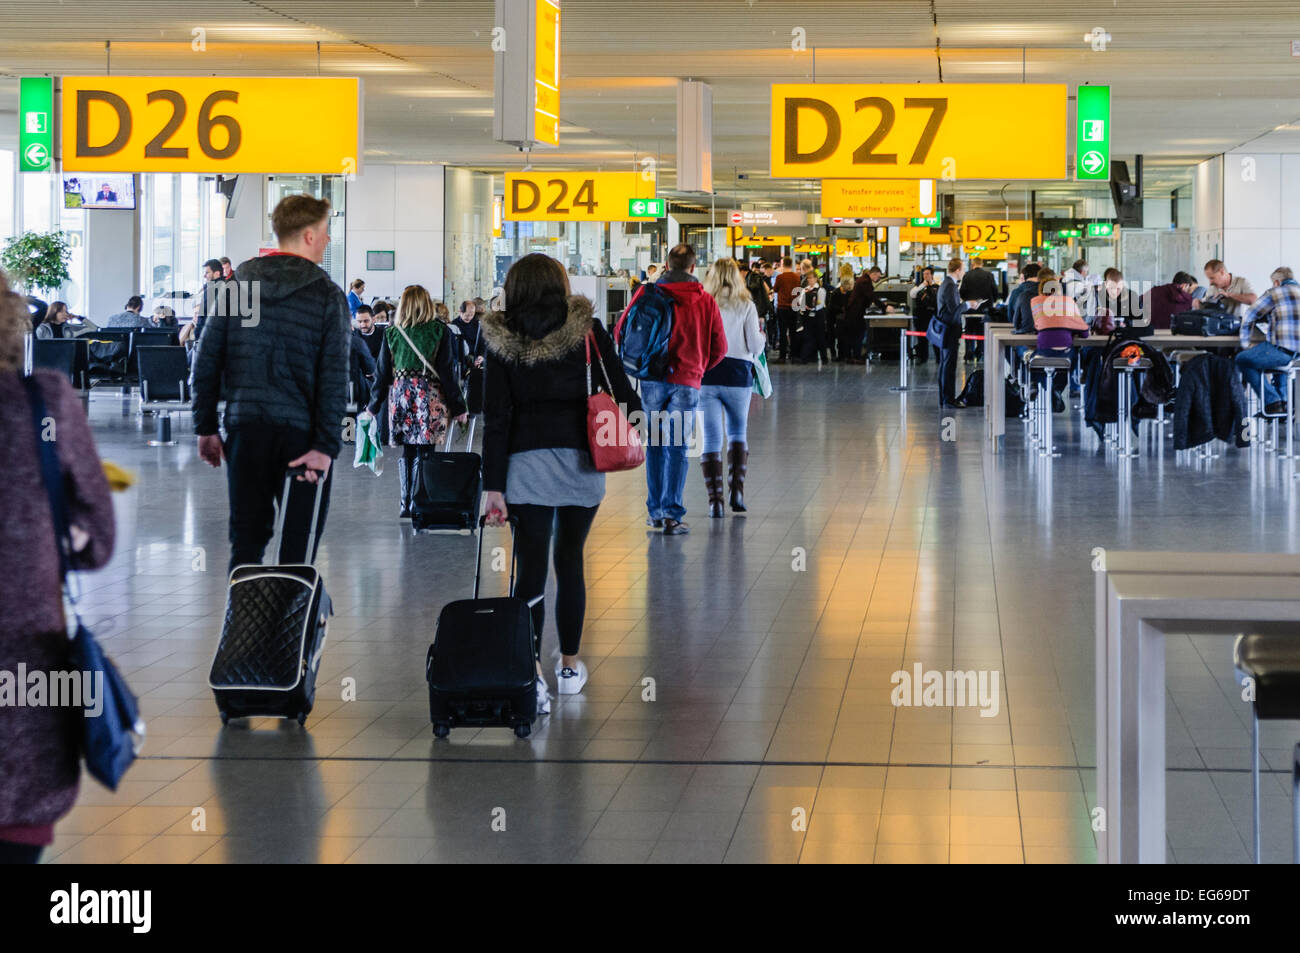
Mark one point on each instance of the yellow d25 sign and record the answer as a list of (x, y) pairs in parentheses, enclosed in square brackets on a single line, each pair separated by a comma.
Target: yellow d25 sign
[(996, 233), (923, 131), (231, 124), (575, 196)]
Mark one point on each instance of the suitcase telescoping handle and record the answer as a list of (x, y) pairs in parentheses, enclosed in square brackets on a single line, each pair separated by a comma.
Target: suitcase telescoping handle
[(469, 435), (289, 479), (478, 563)]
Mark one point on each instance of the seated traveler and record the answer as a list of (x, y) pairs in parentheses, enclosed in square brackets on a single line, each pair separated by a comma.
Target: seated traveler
[(1279, 308)]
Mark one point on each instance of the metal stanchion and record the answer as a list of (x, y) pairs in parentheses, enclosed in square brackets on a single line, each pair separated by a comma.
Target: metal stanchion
[(902, 363)]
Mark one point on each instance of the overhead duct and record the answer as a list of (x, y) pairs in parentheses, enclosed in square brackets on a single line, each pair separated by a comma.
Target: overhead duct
[(694, 136)]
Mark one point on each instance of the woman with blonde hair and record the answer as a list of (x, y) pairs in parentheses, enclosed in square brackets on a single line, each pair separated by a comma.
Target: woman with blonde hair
[(40, 756), (416, 375), (725, 388)]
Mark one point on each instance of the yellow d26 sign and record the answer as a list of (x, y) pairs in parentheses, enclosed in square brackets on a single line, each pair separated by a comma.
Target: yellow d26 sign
[(231, 124), (995, 234), (918, 131), (575, 196)]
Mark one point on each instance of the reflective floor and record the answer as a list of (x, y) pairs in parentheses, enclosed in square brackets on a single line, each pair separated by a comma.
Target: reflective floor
[(740, 706)]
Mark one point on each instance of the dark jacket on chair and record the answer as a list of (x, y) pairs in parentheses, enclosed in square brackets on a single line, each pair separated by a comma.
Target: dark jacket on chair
[(1211, 403)]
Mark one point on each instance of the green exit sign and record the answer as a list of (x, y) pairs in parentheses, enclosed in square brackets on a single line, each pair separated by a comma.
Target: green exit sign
[(1025, 250), (35, 124), (1069, 233), (1101, 230), (645, 208), (932, 221), (1092, 134)]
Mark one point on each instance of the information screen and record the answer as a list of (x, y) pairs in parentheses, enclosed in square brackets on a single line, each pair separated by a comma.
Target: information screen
[(99, 190)]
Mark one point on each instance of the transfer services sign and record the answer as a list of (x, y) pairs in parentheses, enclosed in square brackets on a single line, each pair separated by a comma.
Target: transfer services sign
[(919, 131), (227, 124)]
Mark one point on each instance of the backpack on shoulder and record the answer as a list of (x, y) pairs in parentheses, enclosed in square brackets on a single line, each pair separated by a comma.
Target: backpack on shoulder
[(643, 332)]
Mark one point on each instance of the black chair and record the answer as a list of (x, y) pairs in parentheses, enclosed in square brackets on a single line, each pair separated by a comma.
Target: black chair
[(58, 354), (164, 387), (108, 352), (1272, 662)]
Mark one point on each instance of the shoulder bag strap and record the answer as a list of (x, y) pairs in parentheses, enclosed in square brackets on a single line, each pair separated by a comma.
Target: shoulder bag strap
[(52, 478), (590, 341), (411, 344)]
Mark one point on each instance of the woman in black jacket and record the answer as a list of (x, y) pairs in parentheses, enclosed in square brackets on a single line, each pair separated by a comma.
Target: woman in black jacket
[(537, 465)]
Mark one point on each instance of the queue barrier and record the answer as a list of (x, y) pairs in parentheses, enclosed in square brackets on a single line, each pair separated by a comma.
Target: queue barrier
[(903, 335)]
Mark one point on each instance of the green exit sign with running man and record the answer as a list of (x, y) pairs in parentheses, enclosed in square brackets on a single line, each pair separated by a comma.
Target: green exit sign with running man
[(35, 124), (1101, 230), (1092, 137), (645, 208)]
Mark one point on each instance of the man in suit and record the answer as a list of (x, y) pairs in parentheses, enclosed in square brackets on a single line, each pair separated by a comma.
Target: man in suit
[(106, 194), (952, 311)]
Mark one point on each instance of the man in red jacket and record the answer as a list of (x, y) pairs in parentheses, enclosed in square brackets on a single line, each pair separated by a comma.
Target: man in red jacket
[(697, 342)]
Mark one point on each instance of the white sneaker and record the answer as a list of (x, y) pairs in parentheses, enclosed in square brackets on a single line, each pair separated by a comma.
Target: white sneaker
[(569, 681), (543, 697)]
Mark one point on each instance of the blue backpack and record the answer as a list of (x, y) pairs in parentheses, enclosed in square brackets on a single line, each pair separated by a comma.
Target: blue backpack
[(643, 335)]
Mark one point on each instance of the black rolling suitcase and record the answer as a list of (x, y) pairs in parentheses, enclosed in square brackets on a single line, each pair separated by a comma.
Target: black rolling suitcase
[(481, 668), (448, 486), (273, 634)]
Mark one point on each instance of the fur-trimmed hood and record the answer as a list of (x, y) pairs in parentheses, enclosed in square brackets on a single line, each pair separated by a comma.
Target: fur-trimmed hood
[(518, 349)]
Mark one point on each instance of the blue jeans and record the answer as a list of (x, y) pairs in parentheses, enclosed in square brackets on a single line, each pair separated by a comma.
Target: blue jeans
[(724, 413), (1262, 357), (670, 419)]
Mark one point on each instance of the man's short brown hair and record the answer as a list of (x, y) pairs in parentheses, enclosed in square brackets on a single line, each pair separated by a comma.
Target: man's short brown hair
[(296, 212), (954, 265), (1213, 266), (680, 258)]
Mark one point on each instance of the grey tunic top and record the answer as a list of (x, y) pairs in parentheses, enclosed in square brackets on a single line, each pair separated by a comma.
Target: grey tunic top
[(554, 476)]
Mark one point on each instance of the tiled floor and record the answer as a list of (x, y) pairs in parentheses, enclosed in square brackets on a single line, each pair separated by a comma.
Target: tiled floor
[(739, 707)]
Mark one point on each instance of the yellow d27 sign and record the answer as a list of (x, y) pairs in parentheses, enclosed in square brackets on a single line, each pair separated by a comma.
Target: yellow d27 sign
[(918, 131), (229, 124), (877, 198), (575, 196)]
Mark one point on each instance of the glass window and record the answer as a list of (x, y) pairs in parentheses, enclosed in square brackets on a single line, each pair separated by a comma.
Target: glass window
[(161, 279), (332, 187), (190, 260)]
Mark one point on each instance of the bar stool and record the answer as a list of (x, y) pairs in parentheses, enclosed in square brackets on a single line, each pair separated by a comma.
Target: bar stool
[(1125, 385), (1290, 371), (1272, 662), (1049, 364)]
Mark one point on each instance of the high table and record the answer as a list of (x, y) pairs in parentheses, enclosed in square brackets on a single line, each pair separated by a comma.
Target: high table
[(1141, 598), (999, 338)]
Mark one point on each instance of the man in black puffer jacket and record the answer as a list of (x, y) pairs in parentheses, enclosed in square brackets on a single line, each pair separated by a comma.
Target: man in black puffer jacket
[(276, 350)]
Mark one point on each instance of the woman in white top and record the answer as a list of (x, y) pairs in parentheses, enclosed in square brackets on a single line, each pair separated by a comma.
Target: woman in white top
[(726, 387)]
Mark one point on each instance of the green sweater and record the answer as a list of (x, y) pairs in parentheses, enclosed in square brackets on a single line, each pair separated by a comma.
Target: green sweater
[(425, 336)]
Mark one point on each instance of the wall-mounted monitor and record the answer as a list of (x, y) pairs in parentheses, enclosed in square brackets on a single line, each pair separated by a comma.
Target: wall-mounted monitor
[(99, 190), (381, 261)]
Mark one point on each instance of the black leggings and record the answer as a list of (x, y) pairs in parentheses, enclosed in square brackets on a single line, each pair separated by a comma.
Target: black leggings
[(11, 853), (569, 525)]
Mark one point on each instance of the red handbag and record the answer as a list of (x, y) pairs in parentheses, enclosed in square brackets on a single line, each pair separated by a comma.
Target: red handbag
[(615, 444)]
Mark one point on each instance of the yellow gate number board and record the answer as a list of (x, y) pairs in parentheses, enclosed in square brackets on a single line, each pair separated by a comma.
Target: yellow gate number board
[(922, 131), (230, 124), (575, 196), (996, 236)]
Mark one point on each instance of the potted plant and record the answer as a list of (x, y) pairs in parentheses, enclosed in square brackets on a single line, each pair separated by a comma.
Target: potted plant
[(37, 261)]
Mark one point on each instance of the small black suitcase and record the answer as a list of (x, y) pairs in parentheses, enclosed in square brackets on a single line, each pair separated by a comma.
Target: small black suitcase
[(481, 668), (273, 635), (448, 486)]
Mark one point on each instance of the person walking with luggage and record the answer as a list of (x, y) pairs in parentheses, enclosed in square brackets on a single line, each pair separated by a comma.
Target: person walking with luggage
[(469, 323), (39, 744), (416, 376), (695, 344), (725, 388), (951, 310), (537, 466), (283, 372)]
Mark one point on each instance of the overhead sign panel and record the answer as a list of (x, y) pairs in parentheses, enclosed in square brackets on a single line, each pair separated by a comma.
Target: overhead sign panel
[(526, 72), (762, 219), (35, 124), (576, 196), (1092, 137), (229, 124), (877, 198), (994, 238), (546, 75), (919, 131)]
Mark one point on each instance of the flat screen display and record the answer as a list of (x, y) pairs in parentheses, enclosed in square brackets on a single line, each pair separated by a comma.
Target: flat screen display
[(99, 190)]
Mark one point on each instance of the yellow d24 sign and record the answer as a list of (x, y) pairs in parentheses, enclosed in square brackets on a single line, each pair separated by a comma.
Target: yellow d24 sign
[(230, 124), (575, 196), (923, 131)]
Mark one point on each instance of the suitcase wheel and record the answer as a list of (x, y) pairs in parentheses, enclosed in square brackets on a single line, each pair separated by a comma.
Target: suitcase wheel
[(302, 718), (441, 729), (523, 729), (225, 718)]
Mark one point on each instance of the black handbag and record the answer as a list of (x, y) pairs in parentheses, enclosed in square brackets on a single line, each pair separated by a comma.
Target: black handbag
[(111, 738)]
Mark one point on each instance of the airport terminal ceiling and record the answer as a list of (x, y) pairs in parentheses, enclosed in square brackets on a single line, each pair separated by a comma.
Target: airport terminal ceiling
[(427, 69)]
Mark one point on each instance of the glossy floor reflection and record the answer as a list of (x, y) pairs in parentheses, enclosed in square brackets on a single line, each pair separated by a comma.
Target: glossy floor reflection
[(739, 707)]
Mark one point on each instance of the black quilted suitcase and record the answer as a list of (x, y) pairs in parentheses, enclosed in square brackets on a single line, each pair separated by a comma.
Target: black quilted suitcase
[(481, 668), (273, 635), (448, 487)]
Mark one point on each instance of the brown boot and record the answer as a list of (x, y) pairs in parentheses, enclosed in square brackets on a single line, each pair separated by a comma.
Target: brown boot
[(738, 464), (711, 466)]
